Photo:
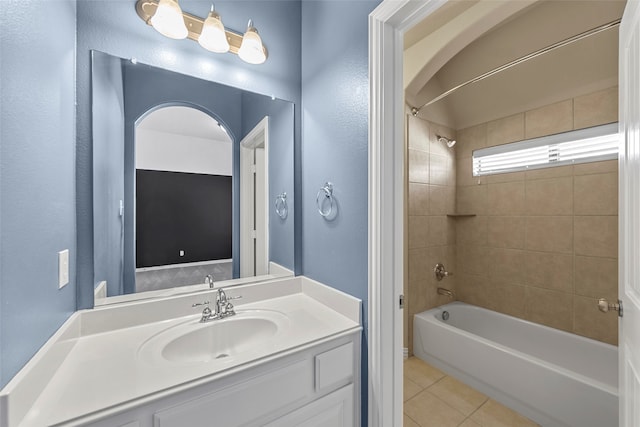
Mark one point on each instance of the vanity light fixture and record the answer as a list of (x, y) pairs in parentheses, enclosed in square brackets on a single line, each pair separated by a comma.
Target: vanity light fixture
[(168, 21), (210, 33), (251, 50), (213, 36)]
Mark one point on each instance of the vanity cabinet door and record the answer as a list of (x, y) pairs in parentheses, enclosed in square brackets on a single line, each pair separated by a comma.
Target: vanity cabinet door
[(244, 403), (333, 410)]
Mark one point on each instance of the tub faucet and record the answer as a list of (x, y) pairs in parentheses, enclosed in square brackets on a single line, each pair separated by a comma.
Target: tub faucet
[(447, 292), (441, 272)]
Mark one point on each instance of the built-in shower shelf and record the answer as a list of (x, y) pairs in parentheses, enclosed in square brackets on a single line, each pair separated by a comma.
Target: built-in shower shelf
[(460, 215)]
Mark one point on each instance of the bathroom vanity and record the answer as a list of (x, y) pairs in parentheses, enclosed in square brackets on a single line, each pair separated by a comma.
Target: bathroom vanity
[(290, 356)]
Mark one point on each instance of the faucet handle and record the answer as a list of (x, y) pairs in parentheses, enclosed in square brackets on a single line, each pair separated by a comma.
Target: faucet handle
[(196, 304)]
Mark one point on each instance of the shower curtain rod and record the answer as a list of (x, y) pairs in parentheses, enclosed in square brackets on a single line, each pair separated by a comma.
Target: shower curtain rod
[(577, 37)]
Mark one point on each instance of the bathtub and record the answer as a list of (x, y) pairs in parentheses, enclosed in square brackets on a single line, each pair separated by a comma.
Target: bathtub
[(552, 377)]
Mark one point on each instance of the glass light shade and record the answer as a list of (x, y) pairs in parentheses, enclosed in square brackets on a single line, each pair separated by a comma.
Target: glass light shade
[(213, 36), (251, 49), (168, 20)]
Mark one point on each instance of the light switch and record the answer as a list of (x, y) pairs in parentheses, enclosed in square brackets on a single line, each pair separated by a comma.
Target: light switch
[(181, 253), (63, 268)]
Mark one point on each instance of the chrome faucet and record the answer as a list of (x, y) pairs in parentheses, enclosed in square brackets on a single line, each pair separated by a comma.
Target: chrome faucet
[(447, 292), (208, 280), (222, 308)]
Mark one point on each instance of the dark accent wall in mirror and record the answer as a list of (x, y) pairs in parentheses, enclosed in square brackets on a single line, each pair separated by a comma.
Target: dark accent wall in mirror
[(123, 94)]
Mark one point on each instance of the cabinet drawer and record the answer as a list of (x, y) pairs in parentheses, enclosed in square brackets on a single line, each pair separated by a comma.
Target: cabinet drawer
[(244, 402), (334, 367)]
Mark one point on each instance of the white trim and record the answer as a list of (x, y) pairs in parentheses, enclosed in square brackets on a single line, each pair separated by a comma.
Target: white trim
[(258, 137), (387, 23)]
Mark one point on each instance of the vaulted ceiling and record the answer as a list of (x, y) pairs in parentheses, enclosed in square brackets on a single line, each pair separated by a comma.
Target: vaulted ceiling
[(465, 39)]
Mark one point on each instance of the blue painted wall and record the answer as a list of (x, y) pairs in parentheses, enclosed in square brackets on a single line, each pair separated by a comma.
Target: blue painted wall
[(281, 169), (114, 27), (335, 93), (37, 181)]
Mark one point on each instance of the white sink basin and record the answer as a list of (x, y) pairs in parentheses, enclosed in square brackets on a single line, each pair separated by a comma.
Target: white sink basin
[(216, 340)]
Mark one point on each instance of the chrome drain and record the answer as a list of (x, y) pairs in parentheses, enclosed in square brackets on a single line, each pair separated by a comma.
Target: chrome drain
[(445, 315), (220, 356)]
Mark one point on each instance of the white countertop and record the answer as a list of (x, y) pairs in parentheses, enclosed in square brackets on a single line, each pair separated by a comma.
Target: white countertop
[(101, 366)]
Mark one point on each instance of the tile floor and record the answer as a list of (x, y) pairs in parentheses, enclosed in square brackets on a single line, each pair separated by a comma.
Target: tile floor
[(432, 398)]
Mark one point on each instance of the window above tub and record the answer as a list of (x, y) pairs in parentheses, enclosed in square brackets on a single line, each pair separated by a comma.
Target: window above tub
[(579, 146)]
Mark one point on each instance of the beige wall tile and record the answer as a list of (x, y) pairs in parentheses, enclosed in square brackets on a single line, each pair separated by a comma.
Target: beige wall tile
[(508, 299), (549, 234), (418, 231), (549, 196), (505, 130), (471, 231), (473, 289), (504, 177), (549, 270), (418, 270), (464, 172), (418, 166), (596, 167), (418, 134), (418, 198), (472, 199), (549, 308), (441, 231), (596, 194), (507, 266), (442, 169), (591, 322), (505, 198), (597, 277), (550, 119), (471, 138), (552, 172), (505, 231), (596, 236), (596, 108), (441, 199), (473, 259)]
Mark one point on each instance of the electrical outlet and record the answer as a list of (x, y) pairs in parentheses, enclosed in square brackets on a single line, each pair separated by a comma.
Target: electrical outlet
[(63, 268)]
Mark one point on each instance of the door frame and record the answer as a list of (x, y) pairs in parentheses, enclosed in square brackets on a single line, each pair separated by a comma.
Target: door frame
[(387, 24), (257, 137)]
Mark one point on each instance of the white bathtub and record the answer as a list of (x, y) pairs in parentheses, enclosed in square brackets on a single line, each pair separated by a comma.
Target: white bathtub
[(552, 377)]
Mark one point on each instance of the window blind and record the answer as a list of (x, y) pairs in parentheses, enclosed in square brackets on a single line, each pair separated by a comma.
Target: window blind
[(585, 145)]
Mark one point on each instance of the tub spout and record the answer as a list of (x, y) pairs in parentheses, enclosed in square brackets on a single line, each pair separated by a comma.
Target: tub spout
[(447, 292)]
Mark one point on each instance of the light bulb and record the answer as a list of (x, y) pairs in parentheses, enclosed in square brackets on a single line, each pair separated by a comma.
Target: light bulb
[(213, 36), (251, 49), (168, 20)]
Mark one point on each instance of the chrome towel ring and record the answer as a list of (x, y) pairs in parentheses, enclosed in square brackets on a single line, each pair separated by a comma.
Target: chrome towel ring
[(281, 205), (327, 191)]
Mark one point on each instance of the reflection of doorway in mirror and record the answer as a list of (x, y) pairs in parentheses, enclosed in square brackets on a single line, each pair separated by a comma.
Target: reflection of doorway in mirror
[(184, 163), (254, 201)]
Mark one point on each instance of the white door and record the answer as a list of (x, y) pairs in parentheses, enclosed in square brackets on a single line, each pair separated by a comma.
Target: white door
[(629, 216), (254, 201)]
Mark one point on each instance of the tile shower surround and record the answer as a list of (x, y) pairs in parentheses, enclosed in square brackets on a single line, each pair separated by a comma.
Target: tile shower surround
[(543, 243)]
